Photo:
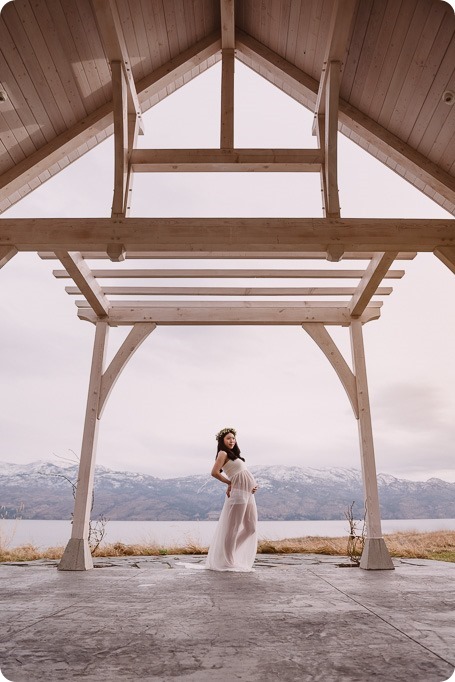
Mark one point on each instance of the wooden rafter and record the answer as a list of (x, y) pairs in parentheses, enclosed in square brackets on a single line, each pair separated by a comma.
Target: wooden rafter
[(228, 236), (304, 88), (82, 276), (229, 313), (369, 283), (87, 130), (114, 43), (226, 160)]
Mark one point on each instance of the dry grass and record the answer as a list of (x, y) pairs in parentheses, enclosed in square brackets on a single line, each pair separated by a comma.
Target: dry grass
[(438, 545), (407, 544)]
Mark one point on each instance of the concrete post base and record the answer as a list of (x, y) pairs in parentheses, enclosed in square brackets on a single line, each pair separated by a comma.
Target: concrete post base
[(375, 555), (76, 557)]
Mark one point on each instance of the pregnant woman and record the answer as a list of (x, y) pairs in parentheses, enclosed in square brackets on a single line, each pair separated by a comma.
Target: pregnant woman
[(234, 544)]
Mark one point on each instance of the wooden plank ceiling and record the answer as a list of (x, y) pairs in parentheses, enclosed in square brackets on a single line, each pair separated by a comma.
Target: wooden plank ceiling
[(58, 89), (381, 71)]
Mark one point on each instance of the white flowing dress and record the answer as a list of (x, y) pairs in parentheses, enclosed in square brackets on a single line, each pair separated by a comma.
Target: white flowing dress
[(234, 544)]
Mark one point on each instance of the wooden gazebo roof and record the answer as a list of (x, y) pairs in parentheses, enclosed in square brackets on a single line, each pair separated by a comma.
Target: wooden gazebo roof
[(380, 71), (398, 61)]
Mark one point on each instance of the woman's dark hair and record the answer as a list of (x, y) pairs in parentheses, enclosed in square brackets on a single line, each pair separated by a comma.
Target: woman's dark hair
[(232, 454)]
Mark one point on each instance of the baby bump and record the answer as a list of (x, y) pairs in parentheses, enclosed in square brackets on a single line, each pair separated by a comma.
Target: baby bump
[(243, 481)]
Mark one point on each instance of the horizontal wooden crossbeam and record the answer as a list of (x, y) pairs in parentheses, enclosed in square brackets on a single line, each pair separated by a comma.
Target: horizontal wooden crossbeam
[(229, 313), (217, 255), (231, 291), (160, 273), (226, 160), (239, 237)]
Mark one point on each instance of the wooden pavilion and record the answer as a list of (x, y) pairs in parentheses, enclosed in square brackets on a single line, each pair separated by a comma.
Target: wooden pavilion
[(382, 72)]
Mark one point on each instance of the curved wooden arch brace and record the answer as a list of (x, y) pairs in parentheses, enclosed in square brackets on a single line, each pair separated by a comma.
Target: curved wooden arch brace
[(135, 338), (321, 336)]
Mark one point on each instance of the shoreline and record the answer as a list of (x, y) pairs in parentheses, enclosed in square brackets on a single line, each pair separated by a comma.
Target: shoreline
[(436, 545)]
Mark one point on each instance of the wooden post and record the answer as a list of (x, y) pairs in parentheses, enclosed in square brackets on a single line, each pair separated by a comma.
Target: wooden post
[(332, 207), (227, 99), (375, 554), (77, 556), (133, 129), (120, 105)]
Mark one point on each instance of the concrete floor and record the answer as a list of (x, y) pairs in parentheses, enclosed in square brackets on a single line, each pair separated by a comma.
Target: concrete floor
[(298, 617)]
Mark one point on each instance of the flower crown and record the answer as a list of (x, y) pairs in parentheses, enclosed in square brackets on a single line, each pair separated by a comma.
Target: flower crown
[(223, 432)]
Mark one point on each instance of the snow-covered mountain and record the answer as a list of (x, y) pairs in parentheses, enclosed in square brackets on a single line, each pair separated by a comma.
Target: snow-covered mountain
[(43, 490)]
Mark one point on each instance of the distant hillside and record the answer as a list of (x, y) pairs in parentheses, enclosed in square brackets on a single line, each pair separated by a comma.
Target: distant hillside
[(43, 490)]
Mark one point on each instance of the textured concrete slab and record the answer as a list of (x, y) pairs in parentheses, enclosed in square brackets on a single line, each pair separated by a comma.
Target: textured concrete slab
[(298, 617)]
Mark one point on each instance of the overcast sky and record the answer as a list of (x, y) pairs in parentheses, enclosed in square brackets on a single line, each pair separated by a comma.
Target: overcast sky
[(185, 383)]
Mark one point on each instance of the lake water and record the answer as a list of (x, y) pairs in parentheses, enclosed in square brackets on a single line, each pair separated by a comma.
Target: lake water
[(167, 533)]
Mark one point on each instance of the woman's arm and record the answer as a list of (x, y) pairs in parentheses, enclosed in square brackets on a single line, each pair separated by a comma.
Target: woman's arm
[(219, 464)]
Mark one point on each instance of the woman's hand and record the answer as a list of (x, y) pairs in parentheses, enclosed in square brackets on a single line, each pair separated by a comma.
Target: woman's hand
[(228, 491), (254, 489)]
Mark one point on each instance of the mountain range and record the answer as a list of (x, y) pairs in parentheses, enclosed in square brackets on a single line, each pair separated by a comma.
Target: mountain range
[(43, 490)]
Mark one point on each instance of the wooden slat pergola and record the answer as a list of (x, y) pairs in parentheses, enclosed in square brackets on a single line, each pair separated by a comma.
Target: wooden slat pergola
[(380, 72)]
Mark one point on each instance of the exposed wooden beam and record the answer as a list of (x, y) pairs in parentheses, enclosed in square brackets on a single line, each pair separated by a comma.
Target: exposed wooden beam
[(111, 32), (121, 151), (230, 291), (160, 273), (321, 336), (336, 47), (133, 130), (219, 255), (446, 254), (304, 88), (83, 278), (100, 120), (6, 253), (227, 24), (228, 236), (227, 73), (332, 93), (226, 160), (227, 99), (135, 338), (238, 305), (232, 313), (320, 132), (369, 283)]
